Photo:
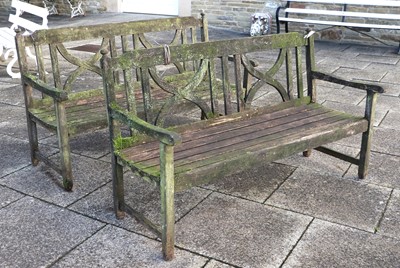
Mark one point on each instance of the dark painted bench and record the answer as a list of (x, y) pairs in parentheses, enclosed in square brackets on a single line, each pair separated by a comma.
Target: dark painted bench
[(234, 134), (64, 93)]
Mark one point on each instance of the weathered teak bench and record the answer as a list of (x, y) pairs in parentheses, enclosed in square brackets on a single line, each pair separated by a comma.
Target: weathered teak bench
[(351, 14), (68, 78), (234, 134), (7, 35)]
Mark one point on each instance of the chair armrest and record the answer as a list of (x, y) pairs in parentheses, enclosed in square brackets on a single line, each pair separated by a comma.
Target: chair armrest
[(336, 80), (36, 83), (134, 122)]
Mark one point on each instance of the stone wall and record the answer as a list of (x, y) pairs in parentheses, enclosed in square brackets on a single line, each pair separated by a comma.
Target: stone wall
[(90, 6), (235, 15), (230, 14)]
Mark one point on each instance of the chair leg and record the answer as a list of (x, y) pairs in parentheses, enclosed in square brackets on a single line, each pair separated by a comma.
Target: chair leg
[(118, 189), (365, 154), (65, 152), (366, 140), (167, 201), (307, 153), (33, 140)]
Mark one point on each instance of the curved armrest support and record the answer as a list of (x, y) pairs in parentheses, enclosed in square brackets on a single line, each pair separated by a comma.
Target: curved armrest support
[(134, 122), (336, 80), (36, 83)]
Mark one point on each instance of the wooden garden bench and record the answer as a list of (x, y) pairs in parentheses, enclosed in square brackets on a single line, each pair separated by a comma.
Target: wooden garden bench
[(7, 35), (234, 134), (68, 78), (352, 14)]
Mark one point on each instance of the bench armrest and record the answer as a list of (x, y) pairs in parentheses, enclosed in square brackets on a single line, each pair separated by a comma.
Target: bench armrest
[(336, 80), (134, 122), (36, 83)]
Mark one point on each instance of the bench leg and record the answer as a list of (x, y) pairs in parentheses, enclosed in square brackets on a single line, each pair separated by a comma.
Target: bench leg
[(118, 188), (31, 125), (33, 140), (365, 151), (307, 153), (63, 141), (167, 201)]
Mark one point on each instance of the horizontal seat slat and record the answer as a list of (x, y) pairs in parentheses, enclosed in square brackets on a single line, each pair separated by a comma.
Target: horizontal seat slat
[(344, 24), (342, 13)]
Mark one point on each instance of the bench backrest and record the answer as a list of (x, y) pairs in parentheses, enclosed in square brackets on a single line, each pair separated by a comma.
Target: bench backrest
[(30, 26), (227, 80), (64, 62)]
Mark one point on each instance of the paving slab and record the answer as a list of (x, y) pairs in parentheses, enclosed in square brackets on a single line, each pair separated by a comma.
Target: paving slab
[(35, 234), (140, 195), (369, 50), (391, 121), (330, 245), (255, 183), (333, 199), (388, 103), (345, 96), (95, 144), (372, 73), (240, 232), (385, 58), (4, 85), (390, 225), (13, 122), (386, 141), (323, 163), (14, 154), (217, 264), (12, 94), (383, 170), (115, 247), (359, 110), (44, 183), (391, 89), (8, 196), (342, 61)]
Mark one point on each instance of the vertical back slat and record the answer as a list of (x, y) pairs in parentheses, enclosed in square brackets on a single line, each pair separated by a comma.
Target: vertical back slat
[(147, 103), (213, 82), (55, 65), (40, 63), (289, 73), (310, 63), (238, 83), (226, 85), (299, 72)]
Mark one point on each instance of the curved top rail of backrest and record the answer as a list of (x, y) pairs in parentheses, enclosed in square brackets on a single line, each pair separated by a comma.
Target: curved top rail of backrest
[(208, 50), (67, 34)]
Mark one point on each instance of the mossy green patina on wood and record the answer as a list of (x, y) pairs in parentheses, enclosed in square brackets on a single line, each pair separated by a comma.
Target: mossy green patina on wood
[(235, 133), (64, 89)]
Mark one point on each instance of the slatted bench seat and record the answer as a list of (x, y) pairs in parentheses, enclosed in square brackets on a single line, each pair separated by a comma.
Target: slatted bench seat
[(7, 35), (235, 134), (71, 98), (352, 14)]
